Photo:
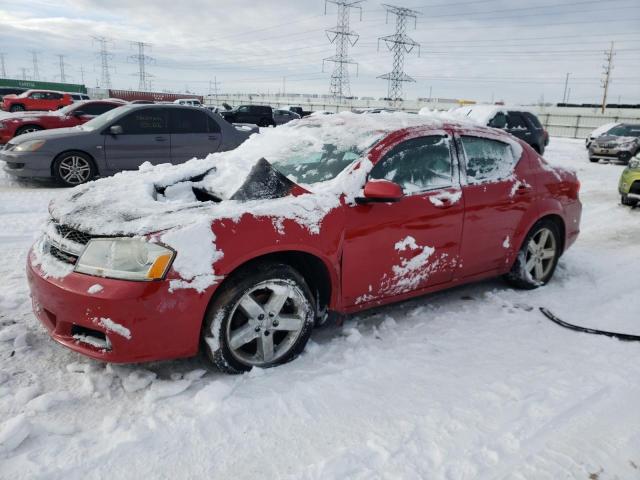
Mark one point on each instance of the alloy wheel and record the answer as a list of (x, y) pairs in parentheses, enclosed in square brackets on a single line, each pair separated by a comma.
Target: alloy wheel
[(74, 170), (541, 253), (266, 322)]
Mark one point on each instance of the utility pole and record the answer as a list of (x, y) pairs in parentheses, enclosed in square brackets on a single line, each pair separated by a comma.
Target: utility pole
[(343, 37), (104, 56), (399, 43), (3, 67), (608, 56), (284, 83), (82, 74), (566, 84), (63, 77), (213, 87), (36, 72), (142, 60), (430, 91), (24, 73)]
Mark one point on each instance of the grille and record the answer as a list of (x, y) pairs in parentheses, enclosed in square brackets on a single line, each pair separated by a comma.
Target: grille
[(73, 235), (62, 256)]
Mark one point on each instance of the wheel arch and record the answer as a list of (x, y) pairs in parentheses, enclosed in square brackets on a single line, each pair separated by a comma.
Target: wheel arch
[(23, 127), (554, 217)]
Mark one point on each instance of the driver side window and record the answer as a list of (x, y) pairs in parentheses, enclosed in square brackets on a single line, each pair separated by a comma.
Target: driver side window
[(417, 165)]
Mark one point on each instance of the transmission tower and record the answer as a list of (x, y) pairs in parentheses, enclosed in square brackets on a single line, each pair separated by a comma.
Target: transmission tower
[(607, 68), (62, 64), (399, 43), (3, 67), (213, 87), (142, 60), (24, 73), (105, 56), (343, 37), (36, 72)]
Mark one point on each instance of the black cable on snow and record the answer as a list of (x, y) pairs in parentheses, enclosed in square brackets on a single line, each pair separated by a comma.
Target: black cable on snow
[(620, 336)]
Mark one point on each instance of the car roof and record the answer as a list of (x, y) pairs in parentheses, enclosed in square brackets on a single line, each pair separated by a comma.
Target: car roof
[(47, 91)]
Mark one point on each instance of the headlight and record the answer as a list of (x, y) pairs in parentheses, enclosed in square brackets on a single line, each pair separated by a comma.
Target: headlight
[(628, 144), (125, 258), (29, 146), (634, 163)]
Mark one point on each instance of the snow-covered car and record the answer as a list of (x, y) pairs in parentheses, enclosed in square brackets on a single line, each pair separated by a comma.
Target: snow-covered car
[(284, 116), (620, 143), (244, 252), (601, 130)]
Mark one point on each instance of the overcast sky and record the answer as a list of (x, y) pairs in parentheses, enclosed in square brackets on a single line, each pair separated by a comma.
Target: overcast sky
[(517, 51)]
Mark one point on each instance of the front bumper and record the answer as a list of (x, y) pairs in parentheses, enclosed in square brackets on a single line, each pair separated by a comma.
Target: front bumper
[(27, 164), (623, 155), (151, 323)]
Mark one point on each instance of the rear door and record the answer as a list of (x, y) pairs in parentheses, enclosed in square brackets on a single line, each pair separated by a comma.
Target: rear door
[(497, 196), (193, 134), (145, 138), (392, 249)]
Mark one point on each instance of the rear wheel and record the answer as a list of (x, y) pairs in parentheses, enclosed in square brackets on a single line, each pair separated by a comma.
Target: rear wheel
[(537, 258), (593, 160), (28, 129), (17, 108), (74, 168), (262, 318), (630, 202)]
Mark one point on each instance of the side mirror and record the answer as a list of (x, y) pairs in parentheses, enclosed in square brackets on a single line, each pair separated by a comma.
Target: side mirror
[(380, 191), (115, 130)]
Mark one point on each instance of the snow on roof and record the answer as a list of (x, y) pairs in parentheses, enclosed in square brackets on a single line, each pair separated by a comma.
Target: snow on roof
[(129, 203), (481, 114)]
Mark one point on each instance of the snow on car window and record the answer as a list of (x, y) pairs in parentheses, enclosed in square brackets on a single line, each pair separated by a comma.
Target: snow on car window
[(487, 159), (419, 164), (317, 166)]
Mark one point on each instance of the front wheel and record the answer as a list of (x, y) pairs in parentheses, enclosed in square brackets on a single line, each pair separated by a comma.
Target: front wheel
[(537, 258), (28, 129), (593, 160), (73, 168), (262, 318)]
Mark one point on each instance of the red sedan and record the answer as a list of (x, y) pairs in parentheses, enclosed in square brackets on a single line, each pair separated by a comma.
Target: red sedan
[(243, 253), (36, 100), (70, 116)]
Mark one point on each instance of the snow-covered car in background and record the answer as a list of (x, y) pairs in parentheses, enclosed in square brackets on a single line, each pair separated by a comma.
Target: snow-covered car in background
[(619, 143), (517, 121), (601, 130), (246, 251), (284, 116)]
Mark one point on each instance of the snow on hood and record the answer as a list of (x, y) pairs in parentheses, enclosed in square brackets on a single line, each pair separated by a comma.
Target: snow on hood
[(157, 198), (614, 139)]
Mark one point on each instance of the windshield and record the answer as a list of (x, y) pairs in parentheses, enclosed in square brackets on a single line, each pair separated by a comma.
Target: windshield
[(103, 120), (316, 166), (68, 109), (625, 131)]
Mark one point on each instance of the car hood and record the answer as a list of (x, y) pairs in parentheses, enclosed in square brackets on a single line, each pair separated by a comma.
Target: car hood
[(52, 134), (614, 139)]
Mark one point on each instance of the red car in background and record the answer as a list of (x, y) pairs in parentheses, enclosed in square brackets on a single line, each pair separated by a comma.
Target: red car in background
[(70, 116), (36, 100), (243, 253)]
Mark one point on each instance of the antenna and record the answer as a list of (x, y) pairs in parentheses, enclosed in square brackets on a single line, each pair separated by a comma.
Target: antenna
[(608, 57), (36, 72), (399, 43), (142, 59), (105, 56), (343, 37)]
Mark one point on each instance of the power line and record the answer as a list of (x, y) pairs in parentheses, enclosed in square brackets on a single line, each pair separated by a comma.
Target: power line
[(343, 37), (607, 75), (399, 43), (105, 56), (142, 59)]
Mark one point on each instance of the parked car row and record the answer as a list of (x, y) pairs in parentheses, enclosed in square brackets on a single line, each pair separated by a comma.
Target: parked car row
[(619, 142), (121, 139)]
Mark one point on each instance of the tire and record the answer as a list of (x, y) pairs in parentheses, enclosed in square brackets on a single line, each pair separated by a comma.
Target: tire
[(594, 160), (28, 129), (537, 259), (17, 108), (629, 202), (265, 122), (74, 168), (239, 331)]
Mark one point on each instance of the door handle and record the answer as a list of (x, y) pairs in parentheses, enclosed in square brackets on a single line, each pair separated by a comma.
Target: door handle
[(523, 188), (161, 139), (441, 201)]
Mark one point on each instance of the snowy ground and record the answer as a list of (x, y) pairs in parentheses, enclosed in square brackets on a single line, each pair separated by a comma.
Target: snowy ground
[(465, 384)]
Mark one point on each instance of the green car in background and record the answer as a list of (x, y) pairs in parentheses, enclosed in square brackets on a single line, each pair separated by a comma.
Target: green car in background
[(629, 186)]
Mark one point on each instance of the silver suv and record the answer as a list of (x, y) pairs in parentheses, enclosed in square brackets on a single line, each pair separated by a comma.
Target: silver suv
[(620, 143)]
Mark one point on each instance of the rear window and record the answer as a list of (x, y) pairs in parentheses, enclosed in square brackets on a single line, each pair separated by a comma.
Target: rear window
[(533, 119), (188, 121), (487, 159)]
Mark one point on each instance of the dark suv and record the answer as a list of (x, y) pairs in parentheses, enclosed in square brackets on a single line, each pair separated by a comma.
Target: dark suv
[(257, 114), (524, 125)]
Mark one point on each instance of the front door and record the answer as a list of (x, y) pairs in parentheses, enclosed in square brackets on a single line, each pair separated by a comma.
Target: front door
[(395, 248), (496, 199), (193, 134), (144, 138)]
